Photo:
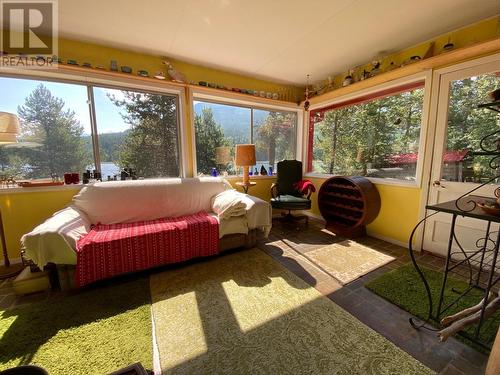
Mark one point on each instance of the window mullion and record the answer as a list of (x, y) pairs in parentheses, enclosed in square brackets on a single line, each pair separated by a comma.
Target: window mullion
[(251, 125), (93, 126)]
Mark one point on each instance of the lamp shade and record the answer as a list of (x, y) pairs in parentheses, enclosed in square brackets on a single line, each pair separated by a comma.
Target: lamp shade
[(9, 127), (245, 155)]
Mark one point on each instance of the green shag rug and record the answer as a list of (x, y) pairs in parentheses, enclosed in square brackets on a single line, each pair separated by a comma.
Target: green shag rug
[(404, 288), (244, 313), (95, 331)]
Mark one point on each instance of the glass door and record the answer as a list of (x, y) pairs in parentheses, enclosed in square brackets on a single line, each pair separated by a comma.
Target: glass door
[(459, 164)]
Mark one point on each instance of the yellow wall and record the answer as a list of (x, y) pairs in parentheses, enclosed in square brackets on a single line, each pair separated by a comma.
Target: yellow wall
[(400, 206), (466, 36), (261, 190), (101, 55), (21, 212)]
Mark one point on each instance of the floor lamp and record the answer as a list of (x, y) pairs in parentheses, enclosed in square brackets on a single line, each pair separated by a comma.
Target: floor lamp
[(9, 129)]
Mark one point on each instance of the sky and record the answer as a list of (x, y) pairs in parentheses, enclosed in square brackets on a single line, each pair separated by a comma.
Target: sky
[(13, 92)]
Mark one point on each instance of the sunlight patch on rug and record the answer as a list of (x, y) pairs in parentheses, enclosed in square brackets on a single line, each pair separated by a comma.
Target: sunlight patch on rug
[(348, 260), (264, 305), (259, 318)]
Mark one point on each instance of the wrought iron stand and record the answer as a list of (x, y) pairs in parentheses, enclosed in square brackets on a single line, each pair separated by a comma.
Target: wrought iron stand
[(480, 261), (480, 264)]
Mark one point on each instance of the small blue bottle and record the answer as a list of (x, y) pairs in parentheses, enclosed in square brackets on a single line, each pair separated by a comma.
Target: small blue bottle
[(270, 169), (214, 172)]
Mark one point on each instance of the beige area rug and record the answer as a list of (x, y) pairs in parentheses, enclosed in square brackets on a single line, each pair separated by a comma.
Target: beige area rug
[(347, 260), (243, 313)]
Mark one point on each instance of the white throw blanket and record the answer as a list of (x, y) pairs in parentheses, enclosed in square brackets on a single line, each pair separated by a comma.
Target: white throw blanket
[(229, 204)]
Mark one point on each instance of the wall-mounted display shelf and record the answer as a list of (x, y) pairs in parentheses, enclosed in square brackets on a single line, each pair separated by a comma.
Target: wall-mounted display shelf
[(441, 60)]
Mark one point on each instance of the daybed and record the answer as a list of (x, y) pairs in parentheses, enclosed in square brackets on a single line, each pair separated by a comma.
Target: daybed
[(119, 208)]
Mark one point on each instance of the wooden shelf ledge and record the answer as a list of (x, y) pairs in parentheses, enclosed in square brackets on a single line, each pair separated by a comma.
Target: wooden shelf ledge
[(438, 61)]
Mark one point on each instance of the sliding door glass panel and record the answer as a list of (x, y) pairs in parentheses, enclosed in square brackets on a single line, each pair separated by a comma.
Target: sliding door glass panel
[(218, 128), (274, 135), (464, 160), (137, 130), (55, 129)]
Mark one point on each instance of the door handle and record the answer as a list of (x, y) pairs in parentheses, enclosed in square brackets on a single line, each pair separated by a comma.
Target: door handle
[(437, 184)]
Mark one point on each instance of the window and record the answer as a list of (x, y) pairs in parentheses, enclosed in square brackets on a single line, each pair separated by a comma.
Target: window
[(135, 130), (464, 161), (374, 136), (219, 127), (274, 136), (55, 129)]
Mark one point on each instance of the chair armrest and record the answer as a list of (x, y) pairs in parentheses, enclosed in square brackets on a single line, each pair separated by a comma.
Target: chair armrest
[(274, 190)]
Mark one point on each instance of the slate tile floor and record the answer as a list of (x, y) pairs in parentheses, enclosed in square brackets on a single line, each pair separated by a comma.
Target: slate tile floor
[(286, 244)]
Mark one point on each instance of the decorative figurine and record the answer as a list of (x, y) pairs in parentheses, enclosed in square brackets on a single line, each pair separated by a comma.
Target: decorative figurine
[(126, 69), (143, 73), (375, 68), (159, 75), (347, 81), (448, 46), (113, 66), (256, 172), (263, 171), (214, 172), (270, 170), (174, 74)]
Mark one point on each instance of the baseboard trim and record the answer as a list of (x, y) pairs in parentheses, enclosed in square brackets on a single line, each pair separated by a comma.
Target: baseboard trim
[(387, 239), (369, 232)]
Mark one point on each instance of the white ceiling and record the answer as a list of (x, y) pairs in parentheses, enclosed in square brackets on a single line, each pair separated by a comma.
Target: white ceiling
[(278, 40)]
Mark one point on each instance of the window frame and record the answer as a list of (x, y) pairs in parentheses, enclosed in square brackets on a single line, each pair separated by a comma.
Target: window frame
[(424, 77), (91, 81), (201, 95)]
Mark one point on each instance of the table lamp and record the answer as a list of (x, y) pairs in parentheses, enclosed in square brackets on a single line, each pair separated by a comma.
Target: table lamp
[(9, 129), (245, 157)]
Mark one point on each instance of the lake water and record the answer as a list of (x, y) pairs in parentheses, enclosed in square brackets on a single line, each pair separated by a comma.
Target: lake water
[(109, 169)]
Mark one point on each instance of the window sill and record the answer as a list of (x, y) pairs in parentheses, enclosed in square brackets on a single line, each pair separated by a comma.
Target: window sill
[(19, 189), (258, 177), (375, 180)]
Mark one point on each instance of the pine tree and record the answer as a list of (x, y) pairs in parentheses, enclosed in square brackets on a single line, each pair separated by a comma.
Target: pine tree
[(209, 136), (58, 132), (151, 145), (274, 137)]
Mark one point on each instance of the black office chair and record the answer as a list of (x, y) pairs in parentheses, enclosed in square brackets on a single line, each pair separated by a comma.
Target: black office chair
[(286, 193)]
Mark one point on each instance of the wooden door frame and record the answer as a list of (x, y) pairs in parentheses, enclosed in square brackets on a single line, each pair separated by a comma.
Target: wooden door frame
[(432, 142)]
